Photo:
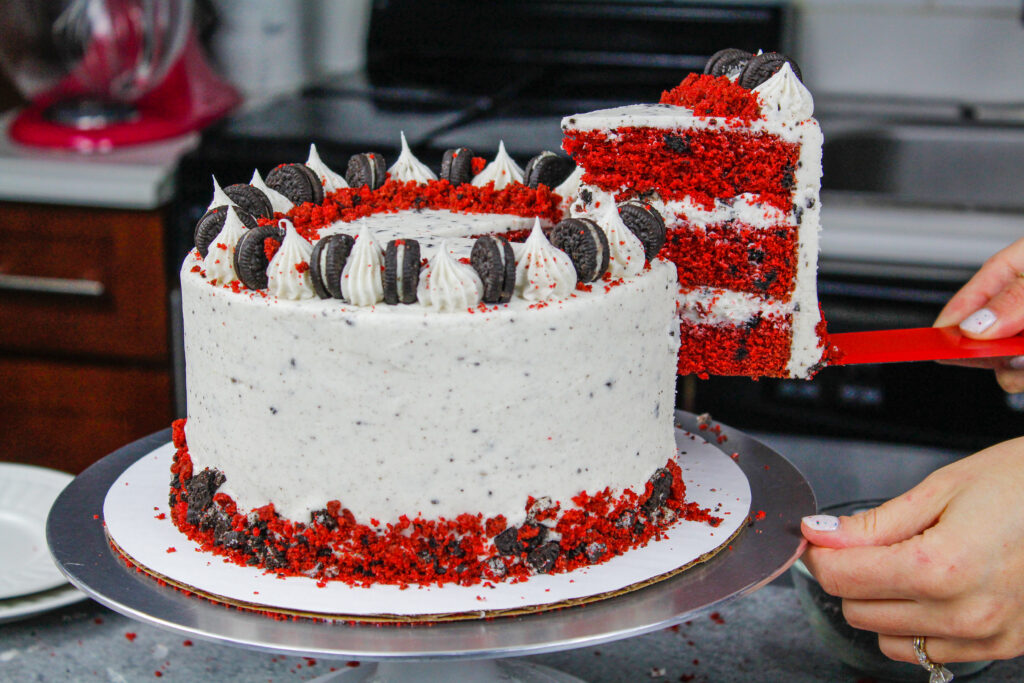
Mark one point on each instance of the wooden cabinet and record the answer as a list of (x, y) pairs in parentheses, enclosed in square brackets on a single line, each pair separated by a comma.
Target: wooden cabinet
[(84, 338)]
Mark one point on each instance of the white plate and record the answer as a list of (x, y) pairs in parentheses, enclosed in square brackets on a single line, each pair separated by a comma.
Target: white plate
[(135, 514), (26, 495), (27, 606)]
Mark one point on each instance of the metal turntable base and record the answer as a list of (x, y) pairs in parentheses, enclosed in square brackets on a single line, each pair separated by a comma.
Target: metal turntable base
[(462, 650)]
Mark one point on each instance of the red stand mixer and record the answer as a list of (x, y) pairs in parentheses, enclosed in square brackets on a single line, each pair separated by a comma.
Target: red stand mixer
[(101, 74)]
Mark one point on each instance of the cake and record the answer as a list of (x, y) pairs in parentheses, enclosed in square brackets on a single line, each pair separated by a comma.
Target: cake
[(406, 377), (731, 159)]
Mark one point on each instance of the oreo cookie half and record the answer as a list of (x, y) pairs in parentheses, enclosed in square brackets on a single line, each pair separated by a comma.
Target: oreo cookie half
[(326, 263), (586, 244), (646, 223), (212, 222), (401, 271), (297, 183), (368, 168), (762, 67), (495, 262), (457, 165), (251, 199), (251, 257), (548, 168), (727, 61)]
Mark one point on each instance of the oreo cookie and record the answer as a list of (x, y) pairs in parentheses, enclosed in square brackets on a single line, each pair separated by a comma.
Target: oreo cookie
[(543, 558), (644, 221), (326, 263), (296, 182), (251, 257), (457, 165), (726, 62), (251, 199), (212, 222), (548, 168), (401, 289), (762, 67), (368, 168), (586, 244), (494, 261)]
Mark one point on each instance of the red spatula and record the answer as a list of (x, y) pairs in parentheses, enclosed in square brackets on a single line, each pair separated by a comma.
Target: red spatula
[(921, 343)]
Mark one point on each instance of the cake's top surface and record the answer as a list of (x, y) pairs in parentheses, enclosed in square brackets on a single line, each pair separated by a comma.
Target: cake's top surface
[(710, 101), (479, 234)]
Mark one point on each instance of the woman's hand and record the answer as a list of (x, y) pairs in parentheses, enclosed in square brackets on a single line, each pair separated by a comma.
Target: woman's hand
[(991, 306), (944, 560)]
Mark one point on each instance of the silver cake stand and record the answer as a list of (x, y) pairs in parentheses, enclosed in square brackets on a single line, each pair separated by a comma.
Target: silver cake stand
[(458, 650)]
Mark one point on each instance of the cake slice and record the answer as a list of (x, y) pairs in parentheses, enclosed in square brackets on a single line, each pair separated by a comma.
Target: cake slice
[(731, 160)]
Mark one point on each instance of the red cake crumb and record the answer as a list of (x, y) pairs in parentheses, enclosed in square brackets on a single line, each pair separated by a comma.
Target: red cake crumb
[(270, 247), (334, 546), (708, 96), (349, 204)]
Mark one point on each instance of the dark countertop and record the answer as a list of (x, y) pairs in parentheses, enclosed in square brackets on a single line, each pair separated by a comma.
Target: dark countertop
[(762, 637)]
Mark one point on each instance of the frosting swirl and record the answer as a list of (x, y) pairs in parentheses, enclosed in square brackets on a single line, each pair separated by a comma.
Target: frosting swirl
[(362, 282), (278, 201), (543, 272), (219, 263), (288, 272), (784, 97), (220, 197), (502, 171), (331, 180), (570, 187), (626, 251), (408, 167), (449, 285)]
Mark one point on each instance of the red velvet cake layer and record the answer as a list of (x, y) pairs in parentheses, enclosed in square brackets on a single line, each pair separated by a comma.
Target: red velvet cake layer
[(759, 348), (734, 256), (701, 164)]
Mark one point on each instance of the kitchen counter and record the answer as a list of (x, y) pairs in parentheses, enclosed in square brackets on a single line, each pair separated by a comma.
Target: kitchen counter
[(740, 642)]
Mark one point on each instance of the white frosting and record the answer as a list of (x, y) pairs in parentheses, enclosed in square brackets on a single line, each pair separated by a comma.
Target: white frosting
[(783, 96), (400, 410), (331, 180), (362, 282), (570, 187), (743, 208), (542, 271), (288, 272), (220, 198), (408, 167), (625, 250), (448, 285), (219, 263), (502, 171), (278, 201)]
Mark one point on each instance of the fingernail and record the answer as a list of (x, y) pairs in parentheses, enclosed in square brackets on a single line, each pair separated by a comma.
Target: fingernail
[(979, 321), (821, 522), (1017, 363)]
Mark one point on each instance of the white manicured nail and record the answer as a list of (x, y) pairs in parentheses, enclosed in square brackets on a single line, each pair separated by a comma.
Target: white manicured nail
[(1017, 363), (821, 522), (979, 321)]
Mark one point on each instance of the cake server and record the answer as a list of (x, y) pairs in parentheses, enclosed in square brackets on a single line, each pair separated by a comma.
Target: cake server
[(920, 343)]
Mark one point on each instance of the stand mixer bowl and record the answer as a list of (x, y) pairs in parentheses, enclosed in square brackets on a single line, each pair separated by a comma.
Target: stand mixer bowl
[(86, 62)]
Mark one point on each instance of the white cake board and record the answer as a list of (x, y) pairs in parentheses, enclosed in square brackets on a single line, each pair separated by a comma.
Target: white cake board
[(135, 503)]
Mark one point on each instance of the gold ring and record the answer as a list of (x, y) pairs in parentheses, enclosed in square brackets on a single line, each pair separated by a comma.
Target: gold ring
[(938, 673)]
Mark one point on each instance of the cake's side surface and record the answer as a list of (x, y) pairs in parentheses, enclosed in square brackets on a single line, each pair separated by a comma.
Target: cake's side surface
[(402, 411), (736, 175)]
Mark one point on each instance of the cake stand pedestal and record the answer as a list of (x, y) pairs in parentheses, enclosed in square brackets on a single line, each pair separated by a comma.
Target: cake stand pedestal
[(458, 650)]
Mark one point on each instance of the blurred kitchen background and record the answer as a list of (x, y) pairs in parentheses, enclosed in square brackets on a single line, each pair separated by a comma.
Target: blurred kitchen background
[(921, 102)]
